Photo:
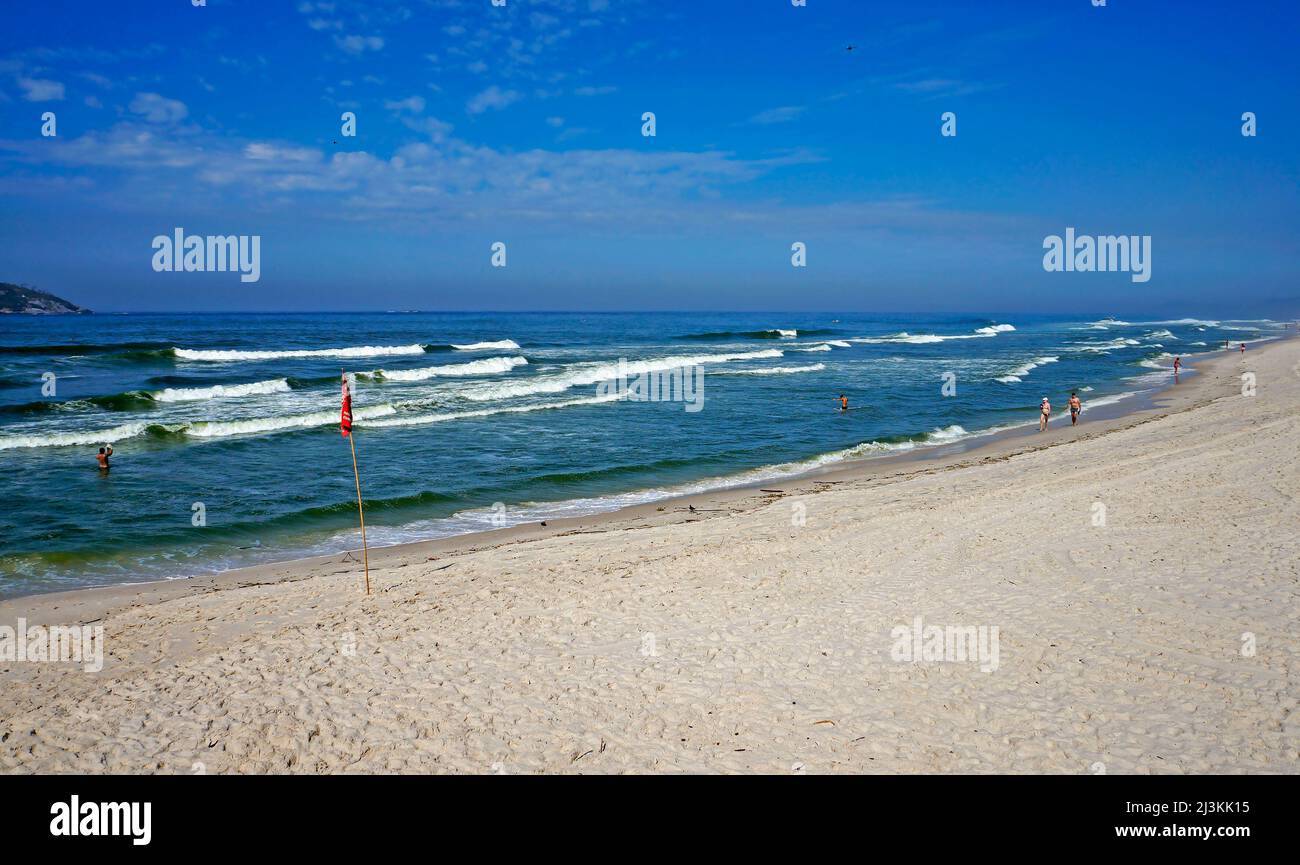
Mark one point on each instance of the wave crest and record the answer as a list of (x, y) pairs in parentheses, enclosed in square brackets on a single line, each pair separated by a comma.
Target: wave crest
[(233, 355), (486, 366)]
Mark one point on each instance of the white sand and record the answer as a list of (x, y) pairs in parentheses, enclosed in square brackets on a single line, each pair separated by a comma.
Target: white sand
[(1119, 645)]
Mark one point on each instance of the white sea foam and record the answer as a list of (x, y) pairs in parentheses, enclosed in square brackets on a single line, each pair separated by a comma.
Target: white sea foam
[(1182, 321), (440, 417), (594, 373), (1109, 400), (356, 351), (822, 347), (1024, 369), (946, 434), (73, 438), (499, 345), (926, 338), (221, 429), (221, 391), (486, 366), (1104, 347), (905, 337), (779, 370)]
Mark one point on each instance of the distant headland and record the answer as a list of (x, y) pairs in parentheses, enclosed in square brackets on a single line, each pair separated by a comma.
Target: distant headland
[(25, 300)]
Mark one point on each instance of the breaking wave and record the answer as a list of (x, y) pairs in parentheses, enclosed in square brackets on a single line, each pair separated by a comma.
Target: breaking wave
[(499, 345), (230, 355), (926, 338), (487, 366), (1024, 369), (596, 373), (222, 391), (778, 370)]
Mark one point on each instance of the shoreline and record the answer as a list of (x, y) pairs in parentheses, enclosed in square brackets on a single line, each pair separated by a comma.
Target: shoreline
[(1143, 406)]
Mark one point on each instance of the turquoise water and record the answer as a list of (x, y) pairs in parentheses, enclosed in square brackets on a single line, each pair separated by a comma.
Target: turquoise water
[(466, 421)]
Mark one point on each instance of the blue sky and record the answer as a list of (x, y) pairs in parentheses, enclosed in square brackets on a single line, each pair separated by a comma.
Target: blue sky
[(522, 124)]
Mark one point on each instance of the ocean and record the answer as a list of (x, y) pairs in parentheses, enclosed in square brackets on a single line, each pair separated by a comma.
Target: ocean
[(226, 427)]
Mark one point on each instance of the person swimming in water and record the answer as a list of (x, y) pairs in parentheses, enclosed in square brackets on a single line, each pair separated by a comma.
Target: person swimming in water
[(1075, 407), (103, 455)]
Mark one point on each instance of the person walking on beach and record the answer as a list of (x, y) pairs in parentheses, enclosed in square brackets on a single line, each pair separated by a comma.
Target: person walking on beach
[(1044, 413), (1075, 407), (1243, 348), (844, 403), (102, 456), (1178, 362)]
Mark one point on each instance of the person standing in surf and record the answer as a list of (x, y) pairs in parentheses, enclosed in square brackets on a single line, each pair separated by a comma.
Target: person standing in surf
[(844, 403), (103, 455), (1044, 413)]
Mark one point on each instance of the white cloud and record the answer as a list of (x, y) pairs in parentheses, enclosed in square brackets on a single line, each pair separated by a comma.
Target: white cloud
[(784, 114), (354, 44), (40, 89), (158, 109), (278, 153), (413, 104), (492, 98)]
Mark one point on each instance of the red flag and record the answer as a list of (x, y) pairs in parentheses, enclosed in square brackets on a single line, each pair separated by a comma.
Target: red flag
[(345, 422)]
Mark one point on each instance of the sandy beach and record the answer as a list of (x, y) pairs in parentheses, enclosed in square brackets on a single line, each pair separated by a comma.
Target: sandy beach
[(1140, 572)]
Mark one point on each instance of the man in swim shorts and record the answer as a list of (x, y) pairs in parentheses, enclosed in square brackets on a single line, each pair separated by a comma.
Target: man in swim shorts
[(844, 403), (1075, 407), (102, 456)]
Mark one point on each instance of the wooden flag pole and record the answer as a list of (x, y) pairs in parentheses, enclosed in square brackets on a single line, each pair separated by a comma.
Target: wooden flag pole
[(361, 511), (365, 550)]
